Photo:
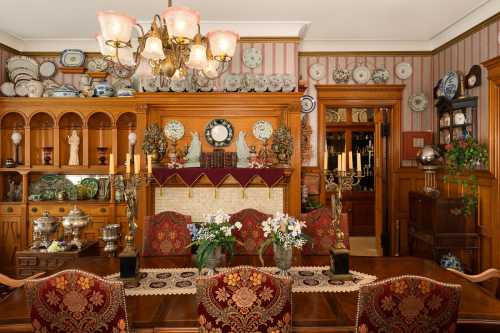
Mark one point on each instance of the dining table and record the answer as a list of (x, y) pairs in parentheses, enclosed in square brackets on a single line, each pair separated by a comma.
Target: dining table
[(311, 312)]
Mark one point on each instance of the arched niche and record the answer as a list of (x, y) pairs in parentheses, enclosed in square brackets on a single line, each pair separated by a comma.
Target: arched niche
[(125, 124), (100, 125), (10, 123), (41, 138), (69, 122)]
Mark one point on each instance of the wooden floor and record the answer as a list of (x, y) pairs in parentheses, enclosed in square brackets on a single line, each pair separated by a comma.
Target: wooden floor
[(312, 312)]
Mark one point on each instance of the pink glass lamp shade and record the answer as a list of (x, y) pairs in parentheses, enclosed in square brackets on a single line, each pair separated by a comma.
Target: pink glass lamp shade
[(116, 27), (197, 57), (153, 49), (222, 44), (211, 70), (182, 23), (106, 50)]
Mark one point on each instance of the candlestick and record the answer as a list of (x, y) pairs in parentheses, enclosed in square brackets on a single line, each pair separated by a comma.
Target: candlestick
[(350, 160), (325, 162), (137, 163), (111, 164), (358, 162), (127, 164), (150, 164)]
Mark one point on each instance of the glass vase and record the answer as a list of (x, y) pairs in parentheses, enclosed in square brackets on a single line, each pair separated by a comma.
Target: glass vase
[(283, 258), (214, 260)]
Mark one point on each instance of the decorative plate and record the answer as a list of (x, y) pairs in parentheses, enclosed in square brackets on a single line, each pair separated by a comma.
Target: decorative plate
[(7, 89), (360, 116), (252, 57), (403, 70), (262, 130), (92, 186), (449, 85), (23, 77), (361, 74), (261, 83), (247, 82), (380, 75), (232, 82), (21, 71), (308, 103), (22, 62), (97, 65), (121, 71), (317, 71), (275, 83), (174, 130), (21, 88), (72, 58), (418, 102), (47, 69), (219, 132), (341, 76), (289, 82)]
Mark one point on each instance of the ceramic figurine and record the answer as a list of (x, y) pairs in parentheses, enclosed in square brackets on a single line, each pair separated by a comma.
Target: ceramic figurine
[(194, 152), (242, 151), (74, 144)]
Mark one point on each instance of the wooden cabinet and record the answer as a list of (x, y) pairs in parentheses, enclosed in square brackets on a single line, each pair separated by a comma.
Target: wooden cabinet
[(11, 222), (436, 227)]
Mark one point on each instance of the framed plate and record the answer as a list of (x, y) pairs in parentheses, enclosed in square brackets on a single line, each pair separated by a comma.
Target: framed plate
[(219, 132), (72, 58), (418, 102), (8, 89), (252, 57), (361, 74), (174, 130), (47, 69), (404, 70), (308, 103), (449, 85), (262, 130), (317, 71), (341, 76)]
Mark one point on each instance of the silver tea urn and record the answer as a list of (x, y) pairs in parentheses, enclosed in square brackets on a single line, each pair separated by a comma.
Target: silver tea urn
[(73, 223), (44, 227), (110, 234)]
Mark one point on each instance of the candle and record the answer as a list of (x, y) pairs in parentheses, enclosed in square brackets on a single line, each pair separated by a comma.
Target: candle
[(344, 162), (150, 164), (127, 163), (350, 160), (339, 162), (111, 164), (358, 162), (43, 136), (325, 162), (101, 137), (137, 163)]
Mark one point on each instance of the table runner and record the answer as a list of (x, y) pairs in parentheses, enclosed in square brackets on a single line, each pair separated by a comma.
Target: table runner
[(177, 281)]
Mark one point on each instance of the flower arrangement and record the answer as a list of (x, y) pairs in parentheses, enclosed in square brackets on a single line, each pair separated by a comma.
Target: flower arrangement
[(462, 156), (283, 231), (214, 232)]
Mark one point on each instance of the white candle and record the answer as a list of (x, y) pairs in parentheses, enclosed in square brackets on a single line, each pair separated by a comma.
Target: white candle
[(344, 162), (101, 137), (111, 164), (325, 161), (339, 162), (150, 164), (358, 162), (127, 163), (350, 160), (137, 163)]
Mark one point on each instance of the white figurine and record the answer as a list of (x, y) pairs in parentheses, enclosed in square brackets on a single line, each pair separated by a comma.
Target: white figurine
[(242, 151), (74, 144), (194, 152)]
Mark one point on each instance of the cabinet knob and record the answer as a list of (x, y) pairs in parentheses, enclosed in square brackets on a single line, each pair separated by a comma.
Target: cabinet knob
[(34, 209), (103, 210), (10, 209), (61, 209)]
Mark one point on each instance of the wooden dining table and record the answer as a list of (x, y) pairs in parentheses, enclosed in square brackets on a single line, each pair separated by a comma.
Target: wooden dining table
[(312, 312)]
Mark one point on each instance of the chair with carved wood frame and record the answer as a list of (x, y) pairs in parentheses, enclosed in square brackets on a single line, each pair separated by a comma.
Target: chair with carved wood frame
[(7, 284), (251, 234), (320, 229), (489, 280), (166, 234)]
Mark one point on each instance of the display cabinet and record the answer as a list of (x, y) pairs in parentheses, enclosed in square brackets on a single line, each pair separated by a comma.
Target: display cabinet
[(457, 119)]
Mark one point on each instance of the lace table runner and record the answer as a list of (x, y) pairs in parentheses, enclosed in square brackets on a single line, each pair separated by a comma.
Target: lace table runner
[(176, 281)]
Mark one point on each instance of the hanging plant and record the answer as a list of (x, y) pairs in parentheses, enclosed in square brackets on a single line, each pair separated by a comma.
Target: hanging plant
[(463, 156)]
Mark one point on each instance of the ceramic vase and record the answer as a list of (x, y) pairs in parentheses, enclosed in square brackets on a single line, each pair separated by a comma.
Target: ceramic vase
[(283, 258), (214, 260)]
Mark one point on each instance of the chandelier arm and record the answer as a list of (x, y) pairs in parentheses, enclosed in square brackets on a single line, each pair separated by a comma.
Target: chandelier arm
[(142, 43)]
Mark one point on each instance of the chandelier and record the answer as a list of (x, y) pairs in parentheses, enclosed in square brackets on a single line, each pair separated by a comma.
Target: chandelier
[(171, 47)]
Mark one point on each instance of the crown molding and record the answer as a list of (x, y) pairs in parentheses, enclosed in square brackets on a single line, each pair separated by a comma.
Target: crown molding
[(363, 46), (10, 42), (364, 53)]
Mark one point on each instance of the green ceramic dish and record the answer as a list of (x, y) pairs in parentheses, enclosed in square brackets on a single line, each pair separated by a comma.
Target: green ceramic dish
[(92, 186)]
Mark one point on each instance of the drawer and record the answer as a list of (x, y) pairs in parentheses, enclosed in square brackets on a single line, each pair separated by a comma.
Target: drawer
[(10, 210), (121, 210), (27, 261), (54, 210), (97, 211)]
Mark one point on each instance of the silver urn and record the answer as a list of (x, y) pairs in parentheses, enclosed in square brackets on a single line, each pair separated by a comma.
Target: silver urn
[(430, 160), (110, 235), (429, 155), (43, 229), (73, 223)]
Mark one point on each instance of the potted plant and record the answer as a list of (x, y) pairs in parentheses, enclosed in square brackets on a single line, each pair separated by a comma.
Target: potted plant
[(284, 233), (211, 238), (463, 156)]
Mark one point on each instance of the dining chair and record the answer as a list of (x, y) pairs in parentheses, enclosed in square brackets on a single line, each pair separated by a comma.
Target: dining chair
[(76, 301), (488, 280), (8, 285), (408, 304), (166, 234), (244, 299), (320, 229), (251, 234)]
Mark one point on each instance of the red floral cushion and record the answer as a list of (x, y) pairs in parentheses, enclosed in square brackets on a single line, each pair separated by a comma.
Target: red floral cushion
[(74, 301), (408, 304), (320, 228), (251, 233), (244, 300), (166, 234)]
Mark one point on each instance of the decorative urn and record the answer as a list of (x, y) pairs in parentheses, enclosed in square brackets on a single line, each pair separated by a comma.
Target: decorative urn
[(74, 222), (430, 160), (110, 234), (429, 155), (45, 226)]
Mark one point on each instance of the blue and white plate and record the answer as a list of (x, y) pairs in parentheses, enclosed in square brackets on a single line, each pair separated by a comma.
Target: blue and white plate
[(72, 58), (308, 103), (449, 85)]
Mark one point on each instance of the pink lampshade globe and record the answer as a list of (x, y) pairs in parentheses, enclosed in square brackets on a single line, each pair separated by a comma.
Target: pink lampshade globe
[(115, 26), (222, 44), (182, 23)]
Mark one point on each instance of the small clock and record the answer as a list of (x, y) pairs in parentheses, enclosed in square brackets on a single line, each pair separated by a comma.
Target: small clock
[(444, 121), (473, 78), (459, 118)]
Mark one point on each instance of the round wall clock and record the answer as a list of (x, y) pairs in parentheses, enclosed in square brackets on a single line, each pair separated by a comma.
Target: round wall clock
[(252, 57), (262, 130), (473, 78), (174, 130), (403, 70), (317, 71), (308, 103), (219, 132)]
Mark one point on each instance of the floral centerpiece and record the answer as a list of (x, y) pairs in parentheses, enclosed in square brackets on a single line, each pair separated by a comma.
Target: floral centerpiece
[(284, 233), (463, 156), (211, 237)]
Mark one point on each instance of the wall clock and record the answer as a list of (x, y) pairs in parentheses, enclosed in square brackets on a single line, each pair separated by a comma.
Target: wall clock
[(404, 70), (317, 71), (473, 78), (459, 118), (219, 132), (252, 57)]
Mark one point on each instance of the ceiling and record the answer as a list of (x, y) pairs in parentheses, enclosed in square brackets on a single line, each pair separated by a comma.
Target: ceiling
[(324, 25)]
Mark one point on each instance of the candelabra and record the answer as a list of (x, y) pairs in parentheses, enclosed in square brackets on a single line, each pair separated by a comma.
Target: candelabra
[(337, 181)]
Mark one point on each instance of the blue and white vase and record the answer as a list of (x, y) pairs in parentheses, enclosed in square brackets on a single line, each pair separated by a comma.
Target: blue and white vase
[(103, 89)]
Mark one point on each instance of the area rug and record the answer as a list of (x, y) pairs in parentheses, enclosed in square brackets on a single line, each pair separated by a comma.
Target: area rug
[(177, 281)]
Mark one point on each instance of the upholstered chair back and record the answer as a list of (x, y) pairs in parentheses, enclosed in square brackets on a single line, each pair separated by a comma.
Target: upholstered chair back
[(166, 234), (320, 228), (244, 300), (408, 304), (250, 234), (76, 301)]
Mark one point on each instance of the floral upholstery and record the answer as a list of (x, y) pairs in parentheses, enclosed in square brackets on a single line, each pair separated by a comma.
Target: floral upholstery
[(408, 304), (73, 301), (244, 300), (251, 233), (166, 234), (319, 227)]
